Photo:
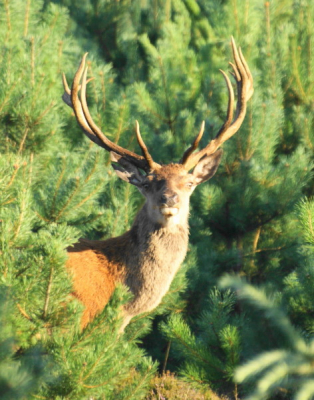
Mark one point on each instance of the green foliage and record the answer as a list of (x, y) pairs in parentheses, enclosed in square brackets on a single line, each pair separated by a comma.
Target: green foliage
[(214, 353), (31, 58), (160, 62), (44, 316), (97, 361), (299, 285), (290, 367), (21, 374), (53, 189)]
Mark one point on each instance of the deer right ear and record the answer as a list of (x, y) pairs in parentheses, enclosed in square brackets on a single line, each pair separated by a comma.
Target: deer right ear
[(125, 170), (207, 167)]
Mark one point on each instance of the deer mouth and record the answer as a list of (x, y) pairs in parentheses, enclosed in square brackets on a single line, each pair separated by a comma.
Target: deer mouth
[(169, 211)]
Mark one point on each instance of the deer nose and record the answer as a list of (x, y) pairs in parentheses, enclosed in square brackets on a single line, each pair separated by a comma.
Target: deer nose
[(169, 199)]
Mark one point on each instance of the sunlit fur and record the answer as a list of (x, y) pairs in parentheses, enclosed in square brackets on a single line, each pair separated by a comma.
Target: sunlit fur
[(170, 179), (147, 257)]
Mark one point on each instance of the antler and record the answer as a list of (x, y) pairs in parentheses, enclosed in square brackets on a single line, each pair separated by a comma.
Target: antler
[(245, 90), (92, 131)]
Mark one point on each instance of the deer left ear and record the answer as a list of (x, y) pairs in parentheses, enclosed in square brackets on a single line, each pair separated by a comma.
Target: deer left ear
[(207, 167), (126, 170)]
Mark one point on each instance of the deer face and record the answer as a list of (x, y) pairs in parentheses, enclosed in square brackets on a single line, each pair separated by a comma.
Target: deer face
[(168, 187), (167, 191)]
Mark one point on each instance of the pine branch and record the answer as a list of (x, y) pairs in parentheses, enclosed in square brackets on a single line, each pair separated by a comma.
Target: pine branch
[(48, 290)]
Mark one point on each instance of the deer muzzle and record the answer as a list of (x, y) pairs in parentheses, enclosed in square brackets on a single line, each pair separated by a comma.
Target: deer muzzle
[(169, 211), (169, 206), (169, 200)]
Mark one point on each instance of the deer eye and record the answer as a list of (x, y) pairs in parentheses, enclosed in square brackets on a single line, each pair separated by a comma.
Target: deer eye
[(189, 185), (145, 185)]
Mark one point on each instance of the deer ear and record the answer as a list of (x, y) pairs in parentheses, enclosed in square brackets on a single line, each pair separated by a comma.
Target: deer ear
[(125, 170), (207, 167)]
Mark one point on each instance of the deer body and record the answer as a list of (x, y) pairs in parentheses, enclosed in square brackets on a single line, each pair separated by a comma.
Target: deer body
[(147, 257)]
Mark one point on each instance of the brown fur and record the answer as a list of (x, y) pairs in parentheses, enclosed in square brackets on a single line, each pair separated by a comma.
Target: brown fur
[(145, 258), (94, 277)]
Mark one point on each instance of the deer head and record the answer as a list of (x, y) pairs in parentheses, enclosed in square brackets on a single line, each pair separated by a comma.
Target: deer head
[(167, 188)]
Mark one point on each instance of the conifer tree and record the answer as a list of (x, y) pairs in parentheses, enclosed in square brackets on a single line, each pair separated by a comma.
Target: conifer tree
[(165, 58), (244, 222), (51, 190), (289, 367), (246, 218), (19, 377)]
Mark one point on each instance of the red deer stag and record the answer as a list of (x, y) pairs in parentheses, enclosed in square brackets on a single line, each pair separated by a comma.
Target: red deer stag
[(147, 257)]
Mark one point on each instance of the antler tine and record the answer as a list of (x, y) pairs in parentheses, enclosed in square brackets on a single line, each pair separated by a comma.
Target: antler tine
[(229, 118), (67, 98), (245, 65), (231, 125), (194, 145), (80, 107), (107, 144), (190, 150), (144, 149)]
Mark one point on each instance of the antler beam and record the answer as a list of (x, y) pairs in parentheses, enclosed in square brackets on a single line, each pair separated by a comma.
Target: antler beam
[(244, 81), (92, 131)]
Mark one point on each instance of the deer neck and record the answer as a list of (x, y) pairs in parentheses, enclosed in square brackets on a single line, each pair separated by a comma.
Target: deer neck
[(146, 224), (157, 253)]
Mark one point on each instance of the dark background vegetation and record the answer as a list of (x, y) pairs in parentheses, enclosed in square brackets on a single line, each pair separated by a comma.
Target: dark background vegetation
[(238, 319)]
